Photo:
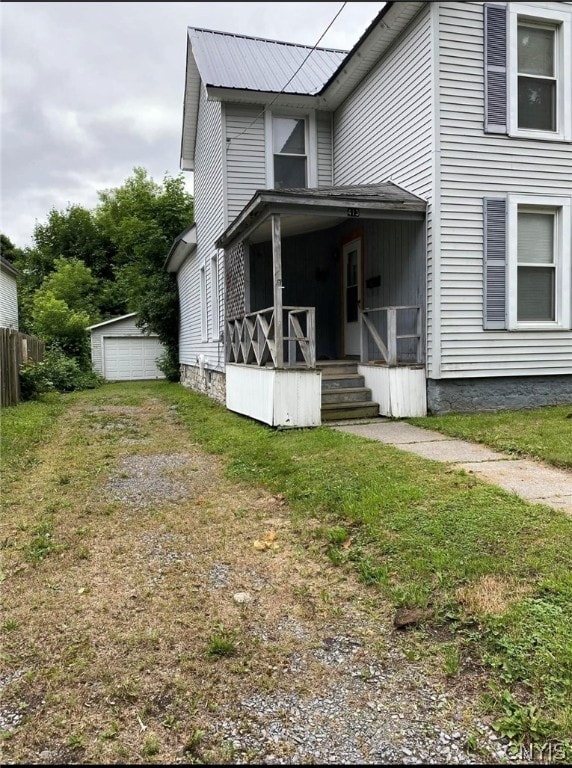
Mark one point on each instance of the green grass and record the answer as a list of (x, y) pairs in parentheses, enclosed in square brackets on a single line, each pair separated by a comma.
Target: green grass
[(419, 532), (543, 433), (23, 427)]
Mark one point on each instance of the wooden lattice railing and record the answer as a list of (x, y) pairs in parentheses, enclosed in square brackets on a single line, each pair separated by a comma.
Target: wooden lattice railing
[(389, 351), (252, 339)]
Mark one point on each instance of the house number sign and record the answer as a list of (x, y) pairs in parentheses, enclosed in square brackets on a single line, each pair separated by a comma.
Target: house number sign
[(353, 213)]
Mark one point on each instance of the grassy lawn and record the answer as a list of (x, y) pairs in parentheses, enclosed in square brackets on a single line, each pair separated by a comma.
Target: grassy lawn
[(492, 572), (25, 426), (542, 433), (495, 569)]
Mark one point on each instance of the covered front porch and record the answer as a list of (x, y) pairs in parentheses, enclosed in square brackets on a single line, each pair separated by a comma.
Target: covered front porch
[(318, 280)]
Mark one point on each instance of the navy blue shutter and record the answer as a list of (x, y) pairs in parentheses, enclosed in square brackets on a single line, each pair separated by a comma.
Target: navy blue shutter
[(496, 69), (495, 258)]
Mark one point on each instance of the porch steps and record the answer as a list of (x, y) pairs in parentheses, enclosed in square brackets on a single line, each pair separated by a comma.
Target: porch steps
[(344, 395)]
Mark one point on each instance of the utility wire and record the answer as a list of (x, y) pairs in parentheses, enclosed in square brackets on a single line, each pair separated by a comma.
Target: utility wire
[(229, 139)]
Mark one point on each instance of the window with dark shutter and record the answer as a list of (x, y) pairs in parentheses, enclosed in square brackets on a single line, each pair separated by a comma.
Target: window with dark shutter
[(495, 24), (495, 252)]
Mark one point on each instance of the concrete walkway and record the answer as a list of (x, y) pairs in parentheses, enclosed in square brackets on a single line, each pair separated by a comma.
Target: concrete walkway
[(534, 481)]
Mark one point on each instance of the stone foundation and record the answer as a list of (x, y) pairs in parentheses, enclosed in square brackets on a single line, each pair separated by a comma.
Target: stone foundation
[(207, 382), (497, 394)]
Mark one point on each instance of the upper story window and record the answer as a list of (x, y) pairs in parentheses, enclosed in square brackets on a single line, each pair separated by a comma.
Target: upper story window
[(528, 71), (537, 77), (289, 152)]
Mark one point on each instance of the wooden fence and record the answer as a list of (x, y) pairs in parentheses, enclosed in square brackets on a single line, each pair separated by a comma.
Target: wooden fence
[(15, 349)]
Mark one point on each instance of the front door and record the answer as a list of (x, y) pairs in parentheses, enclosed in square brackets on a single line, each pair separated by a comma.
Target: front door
[(352, 296)]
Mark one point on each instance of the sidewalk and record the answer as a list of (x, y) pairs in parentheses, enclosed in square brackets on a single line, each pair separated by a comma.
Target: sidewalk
[(534, 481)]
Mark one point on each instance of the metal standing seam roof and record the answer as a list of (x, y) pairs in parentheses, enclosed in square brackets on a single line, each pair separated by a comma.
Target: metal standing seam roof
[(227, 60)]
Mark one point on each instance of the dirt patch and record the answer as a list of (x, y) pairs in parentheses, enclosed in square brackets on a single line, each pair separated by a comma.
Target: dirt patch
[(110, 656)]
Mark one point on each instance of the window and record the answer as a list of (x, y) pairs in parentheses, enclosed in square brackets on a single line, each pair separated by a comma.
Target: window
[(214, 298), (289, 152), (528, 70), (536, 264), (203, 289), (537, 82), (527, 263)]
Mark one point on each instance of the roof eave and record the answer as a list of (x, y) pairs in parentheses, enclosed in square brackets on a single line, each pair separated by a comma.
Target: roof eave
[(264, 202), (372, 45), (113, 320), (183, 246)]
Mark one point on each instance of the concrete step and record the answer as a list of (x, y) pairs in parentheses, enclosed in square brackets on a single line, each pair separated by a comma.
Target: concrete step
[(346, 395), (337, 367), (355, 410), (341, 382)]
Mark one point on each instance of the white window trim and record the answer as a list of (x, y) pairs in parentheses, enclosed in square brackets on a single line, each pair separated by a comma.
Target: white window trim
[(215, 323), (203, 300), (310, 136), (563, 63), (562, 260)]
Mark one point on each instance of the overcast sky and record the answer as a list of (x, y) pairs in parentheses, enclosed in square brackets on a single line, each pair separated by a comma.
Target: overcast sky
[(90, 90)]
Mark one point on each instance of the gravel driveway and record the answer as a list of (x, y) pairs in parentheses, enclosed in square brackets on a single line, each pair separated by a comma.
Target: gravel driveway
[(318, 673)]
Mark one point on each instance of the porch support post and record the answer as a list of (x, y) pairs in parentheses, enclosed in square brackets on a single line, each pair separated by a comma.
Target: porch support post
[(278, 313), (391, 336)]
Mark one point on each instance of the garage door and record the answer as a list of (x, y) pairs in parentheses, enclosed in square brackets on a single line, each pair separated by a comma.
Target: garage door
[(126, 358)]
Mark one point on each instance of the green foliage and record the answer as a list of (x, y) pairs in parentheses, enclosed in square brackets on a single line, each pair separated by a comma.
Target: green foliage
[(7, 248), (89, 265), (55, 323), (168, 364), (56, 373), (73, 282)]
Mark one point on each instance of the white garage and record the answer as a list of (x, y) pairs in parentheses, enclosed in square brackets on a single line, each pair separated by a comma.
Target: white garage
[(120, 351)]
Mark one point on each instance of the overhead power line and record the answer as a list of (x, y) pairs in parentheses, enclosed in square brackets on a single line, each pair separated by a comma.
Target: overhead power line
[(281, 91)]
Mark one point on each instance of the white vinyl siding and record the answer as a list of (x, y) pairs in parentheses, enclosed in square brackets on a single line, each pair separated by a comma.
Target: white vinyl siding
[(385, 129), (209, 219), (475, 165), (324, 141), (245, 156), (8, 301)]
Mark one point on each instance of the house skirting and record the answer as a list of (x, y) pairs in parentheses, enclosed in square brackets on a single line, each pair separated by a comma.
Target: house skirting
[(205, 381), (497, 394), (278, 397), (399, 390)]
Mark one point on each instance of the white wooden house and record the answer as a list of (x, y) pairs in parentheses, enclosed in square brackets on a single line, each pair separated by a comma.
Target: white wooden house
[(386, 230), (8, 294)]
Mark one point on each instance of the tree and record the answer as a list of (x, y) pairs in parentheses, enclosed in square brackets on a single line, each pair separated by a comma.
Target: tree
[(100, 263), (141, 219), (8, 249), (59, 326)]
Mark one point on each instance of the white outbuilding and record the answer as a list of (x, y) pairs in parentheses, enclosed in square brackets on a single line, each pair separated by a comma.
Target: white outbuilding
[(120, 351)]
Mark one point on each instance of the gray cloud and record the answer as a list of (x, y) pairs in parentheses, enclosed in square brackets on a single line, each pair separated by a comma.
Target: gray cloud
[(90, 90)]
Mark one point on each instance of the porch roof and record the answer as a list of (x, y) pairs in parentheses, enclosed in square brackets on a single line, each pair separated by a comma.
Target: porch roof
[(311, 209)]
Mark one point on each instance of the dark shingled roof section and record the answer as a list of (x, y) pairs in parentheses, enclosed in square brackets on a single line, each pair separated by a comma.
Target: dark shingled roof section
[(387, 191)]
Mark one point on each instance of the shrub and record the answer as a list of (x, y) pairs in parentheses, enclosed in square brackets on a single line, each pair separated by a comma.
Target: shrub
[(56, 373), (168, 364)]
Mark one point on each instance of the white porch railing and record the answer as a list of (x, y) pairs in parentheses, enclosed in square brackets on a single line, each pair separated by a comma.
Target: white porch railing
[(253, 339), (389, 351)]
